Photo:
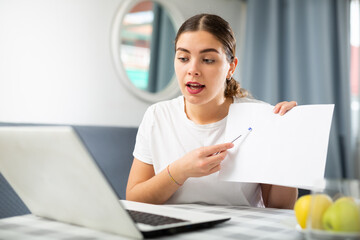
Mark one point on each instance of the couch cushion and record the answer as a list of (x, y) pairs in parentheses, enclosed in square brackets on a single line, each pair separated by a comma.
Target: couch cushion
[(112, 149)]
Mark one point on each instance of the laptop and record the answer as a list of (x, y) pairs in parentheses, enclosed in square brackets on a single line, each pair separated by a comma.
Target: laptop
[(57, 178)]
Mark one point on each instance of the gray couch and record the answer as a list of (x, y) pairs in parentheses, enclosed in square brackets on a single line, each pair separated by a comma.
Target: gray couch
[(112, 149)]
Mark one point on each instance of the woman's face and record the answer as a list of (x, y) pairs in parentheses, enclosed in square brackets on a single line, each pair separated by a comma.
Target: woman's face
[(201, 67)]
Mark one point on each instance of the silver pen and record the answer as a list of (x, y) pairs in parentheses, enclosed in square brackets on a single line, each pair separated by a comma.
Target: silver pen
[(247, 133)]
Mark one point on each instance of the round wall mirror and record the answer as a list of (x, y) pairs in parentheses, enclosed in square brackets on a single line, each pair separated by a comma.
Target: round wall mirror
[(143, 48)]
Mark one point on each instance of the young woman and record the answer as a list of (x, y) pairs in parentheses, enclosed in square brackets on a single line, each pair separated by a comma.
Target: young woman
[(174, 155)]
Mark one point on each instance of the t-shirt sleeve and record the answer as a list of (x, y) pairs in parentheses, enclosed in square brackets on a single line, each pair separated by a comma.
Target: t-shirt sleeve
[(142, 150)]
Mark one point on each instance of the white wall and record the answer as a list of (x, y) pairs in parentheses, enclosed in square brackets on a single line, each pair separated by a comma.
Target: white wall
[(56, 64)]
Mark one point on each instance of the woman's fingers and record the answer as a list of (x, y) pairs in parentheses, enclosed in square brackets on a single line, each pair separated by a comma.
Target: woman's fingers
[(283, 107), (216, 149), (202, 161), (213, 161), (216, 159), (215, 169)]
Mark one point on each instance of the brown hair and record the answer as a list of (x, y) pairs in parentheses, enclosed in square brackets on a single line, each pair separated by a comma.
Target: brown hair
[(220, 29)]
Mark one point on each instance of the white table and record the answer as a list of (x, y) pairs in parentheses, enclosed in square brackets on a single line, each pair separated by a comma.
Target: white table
[(246, 223)]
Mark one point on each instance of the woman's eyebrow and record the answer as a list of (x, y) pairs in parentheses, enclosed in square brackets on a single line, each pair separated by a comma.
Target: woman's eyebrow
[(182, 49), (209, 50), (202, 51)]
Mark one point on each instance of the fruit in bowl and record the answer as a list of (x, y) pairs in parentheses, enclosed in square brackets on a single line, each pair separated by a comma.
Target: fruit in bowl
[(342, 216), (311, 206), (301, 208)]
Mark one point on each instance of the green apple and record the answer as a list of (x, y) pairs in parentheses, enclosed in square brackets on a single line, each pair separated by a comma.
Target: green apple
[(342, 216)]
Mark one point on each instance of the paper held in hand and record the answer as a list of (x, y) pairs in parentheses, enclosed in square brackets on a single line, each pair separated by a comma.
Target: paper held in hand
[(288, 150)]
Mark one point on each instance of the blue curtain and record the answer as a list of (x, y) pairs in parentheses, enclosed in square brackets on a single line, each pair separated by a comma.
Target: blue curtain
[(300, 50), (162, 55)]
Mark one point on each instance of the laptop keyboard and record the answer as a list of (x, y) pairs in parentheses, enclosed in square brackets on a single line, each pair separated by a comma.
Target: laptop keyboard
[(152, 219)]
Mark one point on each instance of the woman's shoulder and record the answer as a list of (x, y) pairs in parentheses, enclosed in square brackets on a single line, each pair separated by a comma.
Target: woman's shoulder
[(165, 109), (167, 105), (161, 112)]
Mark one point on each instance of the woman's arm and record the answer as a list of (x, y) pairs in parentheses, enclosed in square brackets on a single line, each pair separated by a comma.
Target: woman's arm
[(275, 196), (144, 186), (278, 196)]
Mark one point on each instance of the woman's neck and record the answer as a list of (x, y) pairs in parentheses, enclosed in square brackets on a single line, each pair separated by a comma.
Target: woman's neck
[(209, 112)]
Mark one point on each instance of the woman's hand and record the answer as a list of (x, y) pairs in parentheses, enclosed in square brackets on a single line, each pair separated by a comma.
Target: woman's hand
[(283, 107), (199, 162), (144, 186)]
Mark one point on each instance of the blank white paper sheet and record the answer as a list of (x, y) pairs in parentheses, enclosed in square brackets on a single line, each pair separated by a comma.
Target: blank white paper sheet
[(288, 150)]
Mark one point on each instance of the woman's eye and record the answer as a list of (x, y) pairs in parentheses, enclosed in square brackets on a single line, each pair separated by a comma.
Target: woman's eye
[(206, 60), (183, 59)]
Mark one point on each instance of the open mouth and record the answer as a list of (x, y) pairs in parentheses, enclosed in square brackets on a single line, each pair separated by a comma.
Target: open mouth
[(195, 86)]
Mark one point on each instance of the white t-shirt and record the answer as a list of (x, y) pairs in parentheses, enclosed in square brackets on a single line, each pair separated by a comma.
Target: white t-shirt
[(166, 134)]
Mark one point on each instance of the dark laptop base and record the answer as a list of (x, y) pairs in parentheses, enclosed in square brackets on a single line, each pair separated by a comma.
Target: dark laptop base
[(181, 229)]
